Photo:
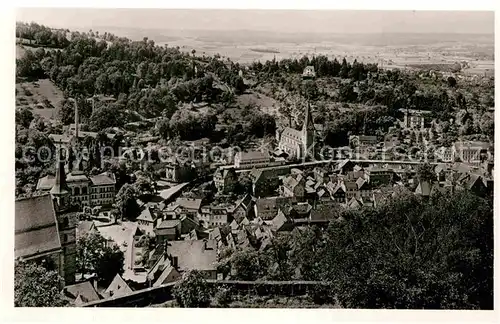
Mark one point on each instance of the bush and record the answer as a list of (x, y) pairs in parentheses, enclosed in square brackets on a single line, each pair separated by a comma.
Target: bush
[(192, 290), (223, 296), (321, 294)]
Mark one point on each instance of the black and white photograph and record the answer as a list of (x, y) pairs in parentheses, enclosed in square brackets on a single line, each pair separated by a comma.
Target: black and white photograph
[(253, 158)]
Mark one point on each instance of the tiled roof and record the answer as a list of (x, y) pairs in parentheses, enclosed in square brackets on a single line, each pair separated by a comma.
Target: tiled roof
[(189, 203), (84, 227), (103, 179), (292, 133), (280, 220), (35, 226), (171, 223), (252, 155), (192, 254), (46, 183), (85, 290), (168, 269), (360, 182), (424, 188), (146, 216), (76, 177), (118, 287), (350, 185), (271, 203)]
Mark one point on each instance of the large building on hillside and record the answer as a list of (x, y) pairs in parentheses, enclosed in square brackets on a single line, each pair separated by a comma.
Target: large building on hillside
[(85, 190), (45, 228), (298, 144)]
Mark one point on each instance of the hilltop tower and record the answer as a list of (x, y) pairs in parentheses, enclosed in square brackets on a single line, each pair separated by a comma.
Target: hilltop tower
[(66, 222)]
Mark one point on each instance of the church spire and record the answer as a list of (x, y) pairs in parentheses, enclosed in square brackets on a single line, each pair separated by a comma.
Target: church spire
[(60, 187), (308, 121)]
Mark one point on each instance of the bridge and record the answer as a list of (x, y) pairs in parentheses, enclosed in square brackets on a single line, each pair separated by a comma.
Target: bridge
[(323, 162)]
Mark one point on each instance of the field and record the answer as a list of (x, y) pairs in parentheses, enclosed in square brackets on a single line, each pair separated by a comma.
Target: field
[(42, 97), (388, 50)]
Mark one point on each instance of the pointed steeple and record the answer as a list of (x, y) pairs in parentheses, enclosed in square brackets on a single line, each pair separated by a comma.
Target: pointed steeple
[(308, 121), (60, 187)]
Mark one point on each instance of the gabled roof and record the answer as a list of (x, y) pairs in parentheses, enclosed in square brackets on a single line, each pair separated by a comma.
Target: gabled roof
[(280, 220), (105, 178), (146, 216), (355, 203), (234, 225), (339, 186), (168, 269), (36, 229), (85, 227), (424, 188), (46, 183), (244, 202), (473, 179), (292, 133), (188, 203), (117, 287), (192, 254), (291, 181), (360, 182), (342, 164), (350, 185), (169, 223), (85, 290)]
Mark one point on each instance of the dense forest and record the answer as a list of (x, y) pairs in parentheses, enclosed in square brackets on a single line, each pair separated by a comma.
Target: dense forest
[(161, 83), (154, 80)]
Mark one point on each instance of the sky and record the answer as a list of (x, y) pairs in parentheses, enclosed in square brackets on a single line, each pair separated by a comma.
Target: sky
[(332, 21)]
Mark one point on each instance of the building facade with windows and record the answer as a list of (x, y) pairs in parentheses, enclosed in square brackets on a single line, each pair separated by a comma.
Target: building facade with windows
[(93, 190)]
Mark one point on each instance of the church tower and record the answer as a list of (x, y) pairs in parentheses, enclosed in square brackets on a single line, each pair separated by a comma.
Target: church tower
[(308, 134), (60, 192), (66, 222)]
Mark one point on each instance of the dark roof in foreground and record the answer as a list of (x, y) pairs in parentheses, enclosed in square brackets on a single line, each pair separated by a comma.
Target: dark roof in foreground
[(84, 291), (35, 227)]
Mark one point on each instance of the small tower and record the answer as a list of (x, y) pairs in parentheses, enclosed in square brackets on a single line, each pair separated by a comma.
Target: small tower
[(66, 222), (60, 192)]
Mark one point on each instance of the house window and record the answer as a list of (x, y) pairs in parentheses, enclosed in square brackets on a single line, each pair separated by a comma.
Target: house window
[(65, 222), (65, 238), (84, 190)]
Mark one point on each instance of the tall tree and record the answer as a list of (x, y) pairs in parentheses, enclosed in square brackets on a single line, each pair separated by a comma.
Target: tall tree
[(126, 202), (35, 286), (96, 255)]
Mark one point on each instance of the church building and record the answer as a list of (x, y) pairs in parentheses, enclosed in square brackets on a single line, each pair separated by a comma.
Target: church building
[(45, 228), (298, 144)]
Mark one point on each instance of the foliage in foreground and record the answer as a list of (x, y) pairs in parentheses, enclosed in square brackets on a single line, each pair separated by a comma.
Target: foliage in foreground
[(35, 286), (94, 254), (192, 291), (409, 253)]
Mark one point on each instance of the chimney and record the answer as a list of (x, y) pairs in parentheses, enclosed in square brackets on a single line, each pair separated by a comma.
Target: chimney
[(175, 261)]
